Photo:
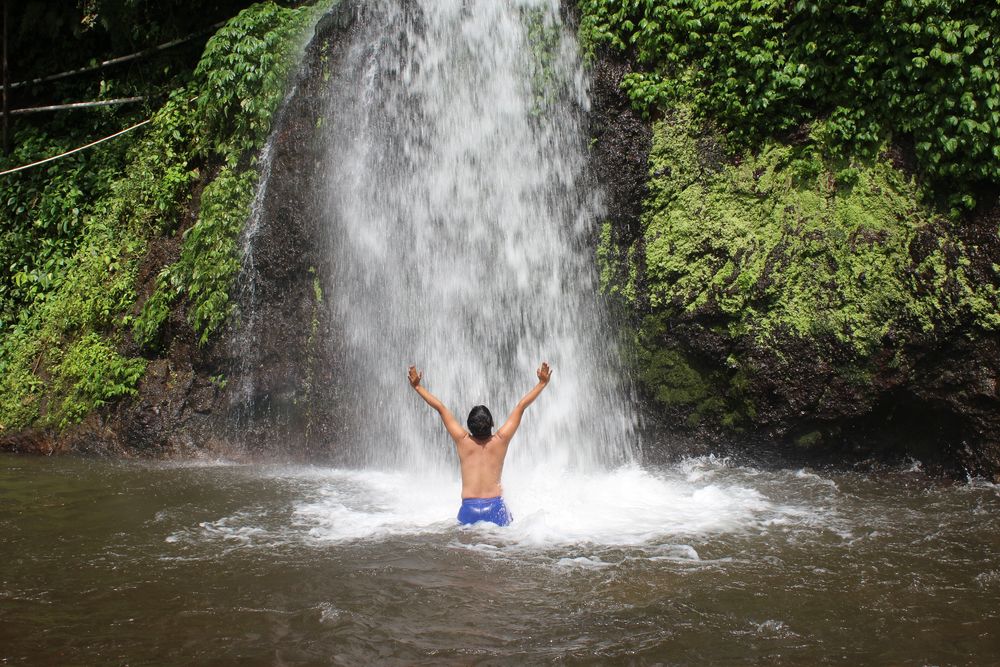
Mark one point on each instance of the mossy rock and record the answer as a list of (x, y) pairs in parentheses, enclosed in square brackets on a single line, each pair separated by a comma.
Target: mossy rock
[(785, 270), (777, 245)]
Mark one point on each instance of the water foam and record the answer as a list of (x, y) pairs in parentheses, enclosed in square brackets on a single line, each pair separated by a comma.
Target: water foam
[(658, 511)]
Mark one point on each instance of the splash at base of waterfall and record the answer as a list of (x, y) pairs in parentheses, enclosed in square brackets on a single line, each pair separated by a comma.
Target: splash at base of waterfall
[(626, 507)]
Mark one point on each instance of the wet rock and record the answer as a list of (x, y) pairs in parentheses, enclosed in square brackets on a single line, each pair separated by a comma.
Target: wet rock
[(32, 441), (620, 143)]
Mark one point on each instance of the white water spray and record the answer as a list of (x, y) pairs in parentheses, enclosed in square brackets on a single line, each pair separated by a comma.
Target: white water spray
[(459, 233)]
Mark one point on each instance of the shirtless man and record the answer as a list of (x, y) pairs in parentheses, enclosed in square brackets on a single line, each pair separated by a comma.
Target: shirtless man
[(481, 452)]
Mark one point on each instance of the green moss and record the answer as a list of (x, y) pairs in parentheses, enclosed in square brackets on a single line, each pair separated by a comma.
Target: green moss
[(777, 246), (676, 381), (314, 321), (679, 382), (608, 261), (312, 345), (674, 162), (617, 272), (317, 288)]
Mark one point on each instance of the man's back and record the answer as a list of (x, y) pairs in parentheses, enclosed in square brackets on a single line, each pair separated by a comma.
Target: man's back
[(482, 455), (482, 465)]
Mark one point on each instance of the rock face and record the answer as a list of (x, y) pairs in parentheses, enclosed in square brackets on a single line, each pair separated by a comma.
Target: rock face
[(778, 306)]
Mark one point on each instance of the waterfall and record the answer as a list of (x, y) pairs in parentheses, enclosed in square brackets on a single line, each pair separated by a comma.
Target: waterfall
[(460, 230)]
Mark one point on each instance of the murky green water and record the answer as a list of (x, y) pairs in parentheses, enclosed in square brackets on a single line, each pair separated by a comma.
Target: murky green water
[(107, 563)]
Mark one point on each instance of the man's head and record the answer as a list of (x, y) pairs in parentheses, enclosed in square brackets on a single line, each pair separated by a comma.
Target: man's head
[(480, 422)]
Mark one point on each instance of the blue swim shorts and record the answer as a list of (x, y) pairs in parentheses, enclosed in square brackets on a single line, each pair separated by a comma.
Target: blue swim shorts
[(493, 510)]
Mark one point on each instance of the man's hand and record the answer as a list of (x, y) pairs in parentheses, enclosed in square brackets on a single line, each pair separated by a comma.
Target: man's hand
[(544, 373), (415, 377)]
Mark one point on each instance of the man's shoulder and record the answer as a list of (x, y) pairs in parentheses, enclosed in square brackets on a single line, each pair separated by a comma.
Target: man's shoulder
[(501, 437)]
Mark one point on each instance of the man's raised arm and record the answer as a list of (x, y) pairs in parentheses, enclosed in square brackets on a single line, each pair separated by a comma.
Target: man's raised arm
[(455, 429), (507, 431)]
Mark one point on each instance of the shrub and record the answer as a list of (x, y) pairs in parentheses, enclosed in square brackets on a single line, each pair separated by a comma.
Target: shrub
[(925, 71)]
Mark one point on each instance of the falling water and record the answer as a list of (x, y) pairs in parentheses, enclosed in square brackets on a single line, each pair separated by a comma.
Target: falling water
[(244, 340), (460, 224)]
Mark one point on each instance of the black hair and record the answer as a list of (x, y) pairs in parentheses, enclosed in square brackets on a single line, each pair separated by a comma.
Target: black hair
[(480, 422)]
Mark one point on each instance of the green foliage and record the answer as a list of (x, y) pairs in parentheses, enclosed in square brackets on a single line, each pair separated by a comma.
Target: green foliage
[(42, 213), (158, 188), (48, 37), (79, 319), (20, 387), (208, 260), (46, 356), (242, 73), (43, 209), (89, 374), (241, 78), (924, 69)]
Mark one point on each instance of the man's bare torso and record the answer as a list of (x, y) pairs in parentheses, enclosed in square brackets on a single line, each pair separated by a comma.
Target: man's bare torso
[(482, 464), (481, 458)]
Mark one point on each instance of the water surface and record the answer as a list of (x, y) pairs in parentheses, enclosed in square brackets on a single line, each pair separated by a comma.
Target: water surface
[(701, 563)]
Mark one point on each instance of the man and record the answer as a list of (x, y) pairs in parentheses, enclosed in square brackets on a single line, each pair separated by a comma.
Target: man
[(481, 452)]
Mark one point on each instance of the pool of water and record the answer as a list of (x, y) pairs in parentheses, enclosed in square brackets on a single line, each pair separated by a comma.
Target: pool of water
[(703, 562)]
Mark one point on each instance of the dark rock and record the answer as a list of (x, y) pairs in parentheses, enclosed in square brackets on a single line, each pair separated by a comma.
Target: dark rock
[(620, 143), (31, 441)]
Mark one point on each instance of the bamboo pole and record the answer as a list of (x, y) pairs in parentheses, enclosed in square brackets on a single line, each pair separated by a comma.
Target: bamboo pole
[(77, 105)]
